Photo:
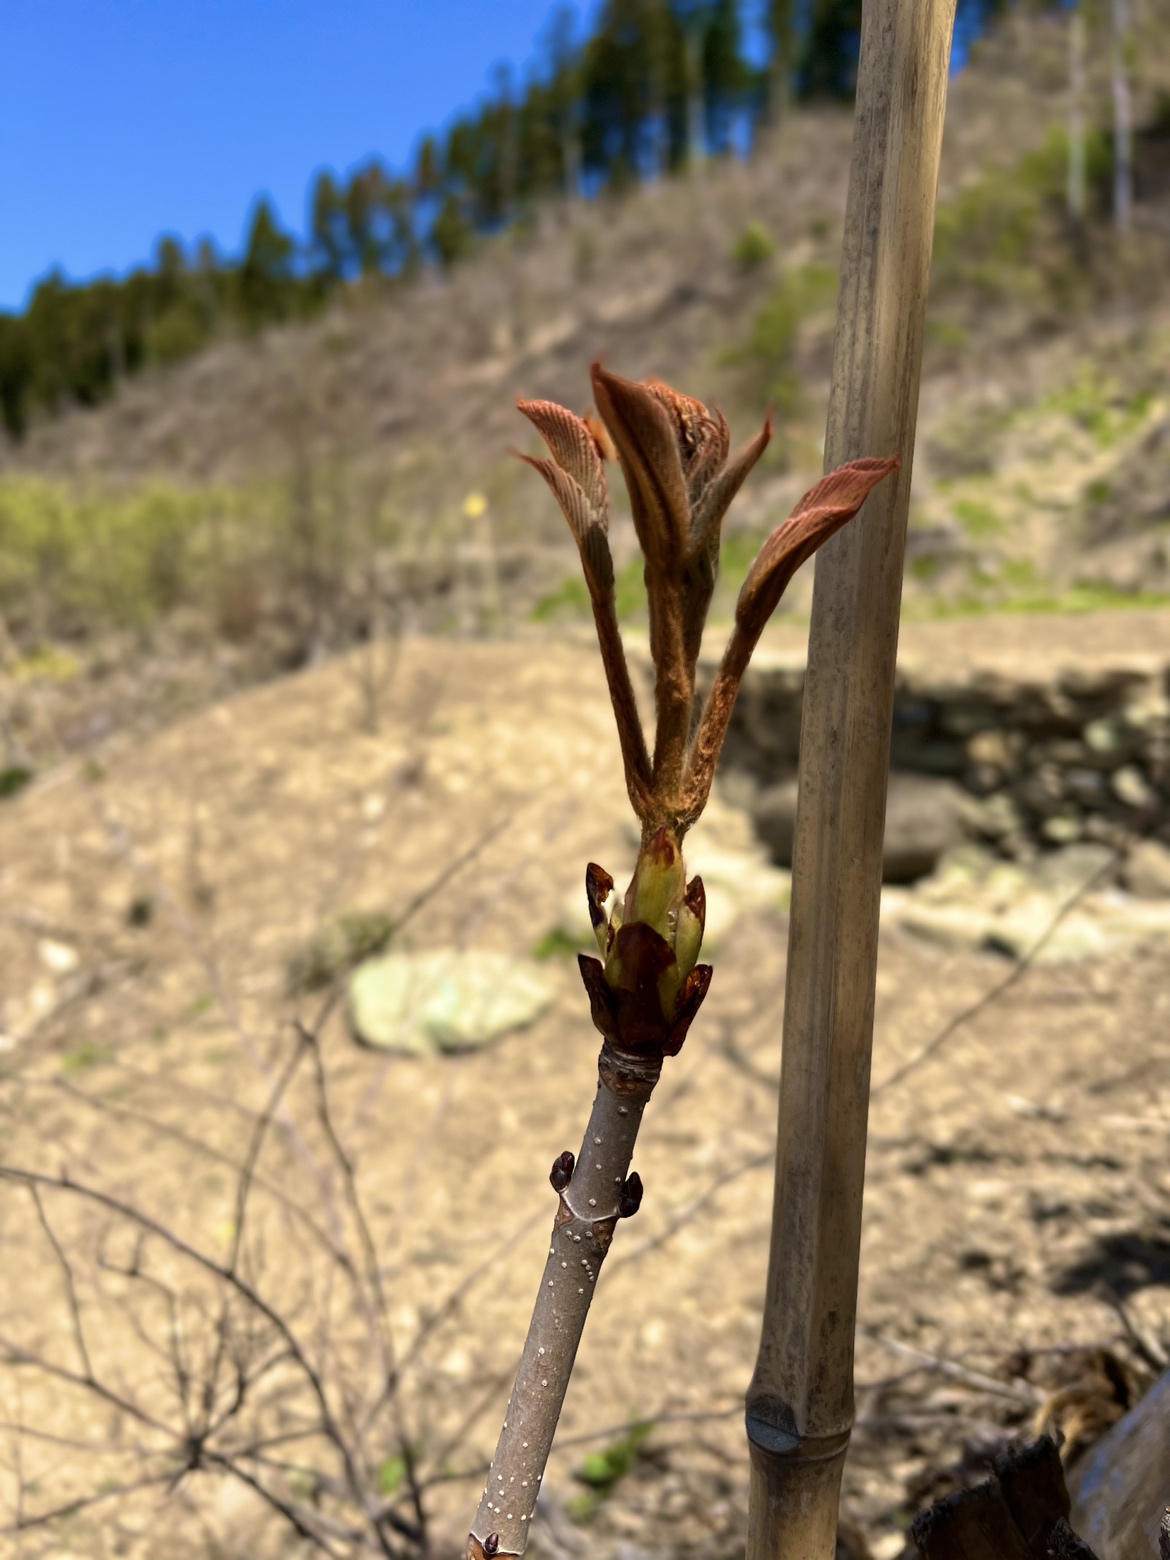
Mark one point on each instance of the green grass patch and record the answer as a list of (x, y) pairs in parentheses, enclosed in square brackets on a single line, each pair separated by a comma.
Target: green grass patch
[(947, 333), (337, 948), (766, 359), (79, 559), (1004, 235), (602, 1471), (570, 599), (754, 247), (391, 1474), (85, 1056), (978, 520), (924, 569), (630, 589), (1080, 598), (13, 779), (1100, 405), (556, 944)]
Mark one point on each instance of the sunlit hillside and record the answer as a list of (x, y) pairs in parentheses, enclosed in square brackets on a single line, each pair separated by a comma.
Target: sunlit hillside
[(281, 494)]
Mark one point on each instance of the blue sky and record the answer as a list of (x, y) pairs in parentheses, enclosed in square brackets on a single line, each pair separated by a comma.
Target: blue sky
[(125, 119)]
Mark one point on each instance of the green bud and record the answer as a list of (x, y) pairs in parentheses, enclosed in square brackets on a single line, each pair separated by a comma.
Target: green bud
[(658, 885), (659, 899)]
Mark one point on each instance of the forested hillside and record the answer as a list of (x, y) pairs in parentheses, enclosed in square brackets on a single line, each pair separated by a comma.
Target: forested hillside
[(656, 89), (287, 489)]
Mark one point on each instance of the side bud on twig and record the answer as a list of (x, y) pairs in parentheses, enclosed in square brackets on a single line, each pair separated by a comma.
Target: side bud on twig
[(631, 1197), (562, 1171)]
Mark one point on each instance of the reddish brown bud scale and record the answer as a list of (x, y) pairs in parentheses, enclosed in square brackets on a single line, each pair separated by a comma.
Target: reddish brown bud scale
[(690, 1001), (631, 1196), (598, 887), (562, 1170)]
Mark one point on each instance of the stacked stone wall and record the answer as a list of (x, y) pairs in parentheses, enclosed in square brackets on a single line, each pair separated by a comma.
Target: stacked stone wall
[(1044, 761)]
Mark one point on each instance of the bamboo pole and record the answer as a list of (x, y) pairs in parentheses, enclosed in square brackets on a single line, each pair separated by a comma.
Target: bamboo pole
[(800, 1402)]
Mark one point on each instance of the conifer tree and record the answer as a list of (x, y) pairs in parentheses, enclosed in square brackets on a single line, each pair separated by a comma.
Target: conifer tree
[(267, 269)]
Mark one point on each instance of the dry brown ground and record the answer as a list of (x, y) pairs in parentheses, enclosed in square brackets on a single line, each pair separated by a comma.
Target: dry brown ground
[(1016, 1181)]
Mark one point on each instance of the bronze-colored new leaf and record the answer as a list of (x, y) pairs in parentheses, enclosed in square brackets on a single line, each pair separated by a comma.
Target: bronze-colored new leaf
[(821, 513), (576, 476), (823, 510), (674, 453)]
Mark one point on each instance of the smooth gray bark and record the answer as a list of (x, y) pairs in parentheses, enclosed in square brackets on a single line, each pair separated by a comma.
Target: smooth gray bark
[(582, 1232)]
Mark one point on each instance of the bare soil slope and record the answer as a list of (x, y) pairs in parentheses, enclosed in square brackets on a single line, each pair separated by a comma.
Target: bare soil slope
[(1017, 1189)]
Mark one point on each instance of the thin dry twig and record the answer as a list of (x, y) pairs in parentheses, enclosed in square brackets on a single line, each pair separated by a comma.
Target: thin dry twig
[(1017, 1393), (1014, 976)]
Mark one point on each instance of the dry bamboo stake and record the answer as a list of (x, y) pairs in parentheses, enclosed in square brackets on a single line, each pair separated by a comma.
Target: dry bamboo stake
[(800, 1402), (646, 988)]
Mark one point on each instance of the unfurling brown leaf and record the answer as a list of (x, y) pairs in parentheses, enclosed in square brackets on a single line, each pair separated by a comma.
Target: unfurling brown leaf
[(576, 476), (574, 447), (674, 455), (645, 435), (823, 510)]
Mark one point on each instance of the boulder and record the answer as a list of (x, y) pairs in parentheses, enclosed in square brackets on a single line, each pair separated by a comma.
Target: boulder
[(446, 999), (1121, 1488), (1147, 870), (923, 820), (774, 815)]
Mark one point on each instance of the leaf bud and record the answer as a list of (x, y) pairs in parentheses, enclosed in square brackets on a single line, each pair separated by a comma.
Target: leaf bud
[(630, 1199), (562, 1171)]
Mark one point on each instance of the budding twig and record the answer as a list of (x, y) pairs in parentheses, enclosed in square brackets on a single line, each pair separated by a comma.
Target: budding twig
[(647, 985)]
